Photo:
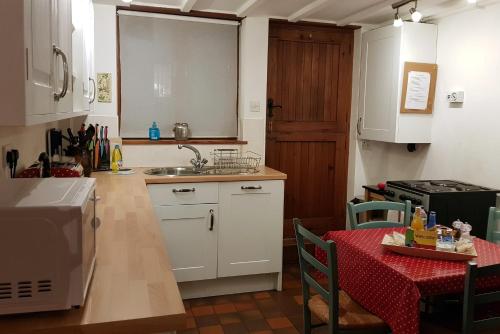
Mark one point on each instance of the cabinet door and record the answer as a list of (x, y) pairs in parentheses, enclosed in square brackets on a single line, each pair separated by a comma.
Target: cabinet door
[(78, 8), (251, 228), (89, 88), (379, 82), (40, 56), (190, 233), (63, 29)]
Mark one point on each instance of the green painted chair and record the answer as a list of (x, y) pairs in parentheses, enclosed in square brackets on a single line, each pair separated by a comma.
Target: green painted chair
[(492, 234), (355, 209), (333, 307), (471, 299)]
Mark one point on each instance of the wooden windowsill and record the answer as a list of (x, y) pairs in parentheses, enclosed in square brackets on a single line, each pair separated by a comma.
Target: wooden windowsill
[(200, 141)]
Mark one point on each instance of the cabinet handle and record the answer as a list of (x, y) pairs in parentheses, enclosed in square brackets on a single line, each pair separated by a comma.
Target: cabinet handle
[(212, 218), (358, 126), (93, 90), (64, 90), (251, 187), (184, 190)]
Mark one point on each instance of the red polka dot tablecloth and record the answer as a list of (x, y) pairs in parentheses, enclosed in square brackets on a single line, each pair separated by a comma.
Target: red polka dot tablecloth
[(391, 285), (54, 171)]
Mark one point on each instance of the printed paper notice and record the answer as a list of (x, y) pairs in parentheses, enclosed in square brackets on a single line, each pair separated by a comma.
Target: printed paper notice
[(417, 92)]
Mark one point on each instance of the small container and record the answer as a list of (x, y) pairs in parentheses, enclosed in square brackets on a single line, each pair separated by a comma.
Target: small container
[(181, 131), (154, 132), (457, 226), (116, 159)]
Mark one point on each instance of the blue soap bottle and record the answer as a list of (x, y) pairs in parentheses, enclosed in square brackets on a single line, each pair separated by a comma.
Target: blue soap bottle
[(154, 132)]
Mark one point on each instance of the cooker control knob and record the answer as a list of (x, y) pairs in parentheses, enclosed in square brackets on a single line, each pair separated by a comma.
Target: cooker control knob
[(390, 193), (417, 201), (403, 197)]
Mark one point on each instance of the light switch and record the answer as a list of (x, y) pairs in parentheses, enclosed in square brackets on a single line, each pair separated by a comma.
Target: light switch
[(254, 106), (456, 97)]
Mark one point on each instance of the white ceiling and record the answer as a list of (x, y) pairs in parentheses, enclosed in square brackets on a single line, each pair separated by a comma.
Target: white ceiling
[(335, 11)]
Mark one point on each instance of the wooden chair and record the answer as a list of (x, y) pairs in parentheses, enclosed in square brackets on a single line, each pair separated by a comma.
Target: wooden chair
[(354, 209), (471, 299), (492, 234), (332, 306)]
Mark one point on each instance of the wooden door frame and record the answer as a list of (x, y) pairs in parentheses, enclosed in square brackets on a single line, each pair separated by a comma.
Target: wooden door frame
[(324, 27)]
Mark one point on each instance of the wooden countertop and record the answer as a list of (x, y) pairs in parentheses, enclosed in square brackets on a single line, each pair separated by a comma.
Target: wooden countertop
[(133, 289)]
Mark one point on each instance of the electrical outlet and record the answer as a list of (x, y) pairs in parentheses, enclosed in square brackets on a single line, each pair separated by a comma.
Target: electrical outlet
[(5, 168), (254, 106), (365, 145)]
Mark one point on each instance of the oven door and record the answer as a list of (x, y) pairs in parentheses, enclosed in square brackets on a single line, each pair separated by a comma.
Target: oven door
[(88, 240)]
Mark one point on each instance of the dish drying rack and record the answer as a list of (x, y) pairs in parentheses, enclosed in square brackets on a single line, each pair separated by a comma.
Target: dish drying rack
[(232, 160)]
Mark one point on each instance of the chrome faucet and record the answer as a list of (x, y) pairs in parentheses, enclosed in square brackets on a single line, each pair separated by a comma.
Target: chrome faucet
[(197, 163)]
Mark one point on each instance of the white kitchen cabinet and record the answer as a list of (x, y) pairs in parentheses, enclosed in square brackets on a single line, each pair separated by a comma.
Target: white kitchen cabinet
[(228, 234), (83, 55), (190, 233), (383, 55), (251, 229), (37, 60)]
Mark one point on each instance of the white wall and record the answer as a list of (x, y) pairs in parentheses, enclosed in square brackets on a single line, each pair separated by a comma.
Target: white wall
[(465, 141), (253, 85), (29, 140)]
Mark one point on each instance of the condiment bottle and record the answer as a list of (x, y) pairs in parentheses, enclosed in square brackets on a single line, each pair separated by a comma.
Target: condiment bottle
[(431, 222), (417, 223), (457, 226), (116, 159)]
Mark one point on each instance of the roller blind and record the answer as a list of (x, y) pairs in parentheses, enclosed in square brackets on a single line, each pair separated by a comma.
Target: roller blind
[(178, 69)]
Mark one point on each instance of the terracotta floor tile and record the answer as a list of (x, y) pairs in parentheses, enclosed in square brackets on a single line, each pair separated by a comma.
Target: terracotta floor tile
[(289, 330), (299, 299), (207, 320), (263, 332), (212, 330), (277, 323), (221, 300), (261, 295), (245, 306), (190, 323), (251, 315), (272, 312), (188, 331), (256, 325), (229, 318), (199, 311), (224, 308), (235, 329), (241, 297)]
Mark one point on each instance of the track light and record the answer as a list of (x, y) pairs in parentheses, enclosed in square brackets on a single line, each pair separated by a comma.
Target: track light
[(416, 16), (127, 1), (398, 21), (472, 1)]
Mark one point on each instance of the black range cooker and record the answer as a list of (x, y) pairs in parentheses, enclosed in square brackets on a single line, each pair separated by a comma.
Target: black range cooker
[(450, 199)]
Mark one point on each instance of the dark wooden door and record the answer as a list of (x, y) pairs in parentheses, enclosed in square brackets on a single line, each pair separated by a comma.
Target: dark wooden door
[(309, 81)]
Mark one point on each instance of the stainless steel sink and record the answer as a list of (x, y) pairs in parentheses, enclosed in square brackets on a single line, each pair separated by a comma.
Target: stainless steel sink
[(174, 171), (190, 171)]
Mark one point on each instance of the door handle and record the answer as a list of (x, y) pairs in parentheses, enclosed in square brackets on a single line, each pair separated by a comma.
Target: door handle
[(271, 106), (251, 187), (183, 190), (64, 89), (212, 218), (93, 91), (358, 126)]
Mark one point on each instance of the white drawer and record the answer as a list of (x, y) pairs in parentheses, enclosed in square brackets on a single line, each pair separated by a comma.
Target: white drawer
[(253, 187), (184, 193)]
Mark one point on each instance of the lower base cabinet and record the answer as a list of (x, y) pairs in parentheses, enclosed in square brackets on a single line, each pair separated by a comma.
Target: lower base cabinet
[(240, 233), (191, 238)]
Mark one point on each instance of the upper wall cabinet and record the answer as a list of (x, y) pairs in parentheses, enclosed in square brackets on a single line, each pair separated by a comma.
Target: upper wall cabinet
[(37, 63), (84, 88), (383, 55)]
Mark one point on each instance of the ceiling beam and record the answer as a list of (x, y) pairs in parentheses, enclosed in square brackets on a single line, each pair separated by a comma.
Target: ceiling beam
[(247, 7), (305, 11), (358, 17), (188, 5)]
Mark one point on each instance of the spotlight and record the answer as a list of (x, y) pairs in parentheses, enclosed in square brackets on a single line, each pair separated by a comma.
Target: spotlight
[(416, 16), (398, 21)]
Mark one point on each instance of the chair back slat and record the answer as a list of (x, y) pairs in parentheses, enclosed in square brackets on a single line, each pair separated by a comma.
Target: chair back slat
[(355, 209), (304, 233), (492, 323), (492, 235), (486, 298), (312, 261), (316, 286), (471, 298)]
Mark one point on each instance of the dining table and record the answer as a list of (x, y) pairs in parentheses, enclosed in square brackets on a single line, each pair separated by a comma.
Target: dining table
[(391, 285)]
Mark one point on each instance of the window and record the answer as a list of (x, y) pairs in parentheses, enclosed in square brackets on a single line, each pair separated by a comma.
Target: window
[(178, 69)]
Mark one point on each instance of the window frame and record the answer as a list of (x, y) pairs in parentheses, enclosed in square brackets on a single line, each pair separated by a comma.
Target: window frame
[(193, 13)]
